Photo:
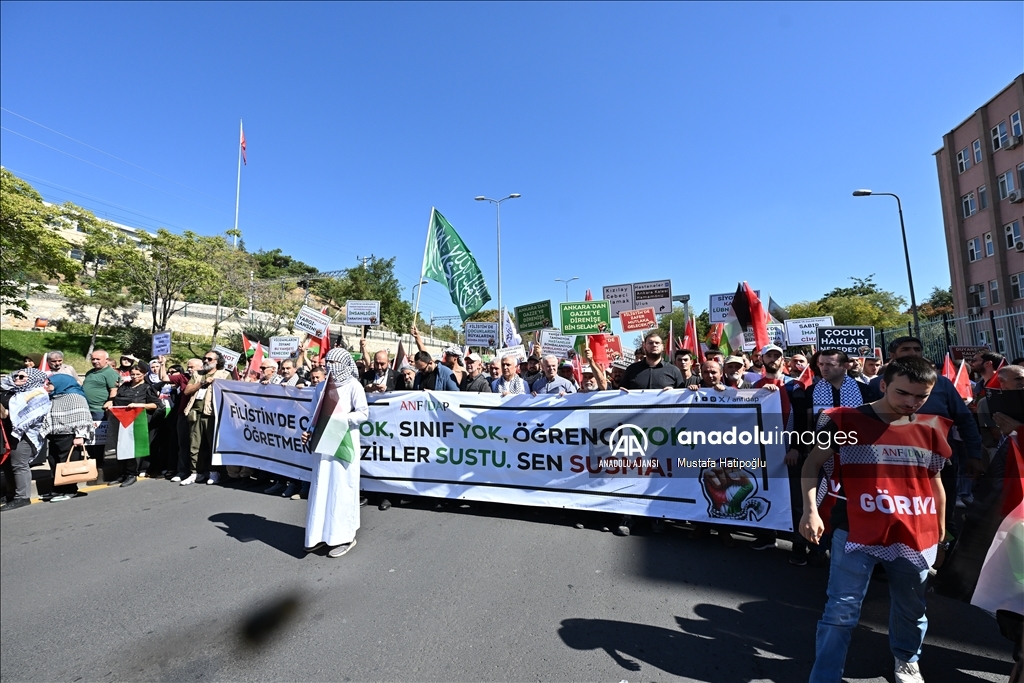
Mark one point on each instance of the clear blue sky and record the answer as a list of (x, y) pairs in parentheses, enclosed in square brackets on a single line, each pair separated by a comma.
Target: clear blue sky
[(706, 143)]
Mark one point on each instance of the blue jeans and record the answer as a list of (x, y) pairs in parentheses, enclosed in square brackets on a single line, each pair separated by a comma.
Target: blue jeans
[(848, 581)]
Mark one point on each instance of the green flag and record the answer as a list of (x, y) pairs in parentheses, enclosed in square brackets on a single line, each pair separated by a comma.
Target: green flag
[(448, 261)]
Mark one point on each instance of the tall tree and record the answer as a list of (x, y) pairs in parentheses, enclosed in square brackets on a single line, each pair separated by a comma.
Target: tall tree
[(31, 247), (938, 302), (863, 303), (275, 263)]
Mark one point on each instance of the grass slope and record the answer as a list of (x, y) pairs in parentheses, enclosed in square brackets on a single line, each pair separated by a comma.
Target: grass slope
[(14, 344)]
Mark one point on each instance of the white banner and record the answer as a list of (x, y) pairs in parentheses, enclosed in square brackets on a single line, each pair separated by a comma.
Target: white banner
[(161, 345), (230, 357), (555, 343), (362, 312), (699, 456)]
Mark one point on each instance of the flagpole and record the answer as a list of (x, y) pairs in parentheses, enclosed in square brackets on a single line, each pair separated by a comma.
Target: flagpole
[(423, 267), (238, 186)]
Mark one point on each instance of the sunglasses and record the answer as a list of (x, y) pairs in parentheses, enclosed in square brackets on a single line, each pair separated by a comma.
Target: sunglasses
[(19, 377), (212, 360)]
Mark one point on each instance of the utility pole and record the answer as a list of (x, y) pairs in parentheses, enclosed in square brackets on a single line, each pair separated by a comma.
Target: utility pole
[(364, 259)]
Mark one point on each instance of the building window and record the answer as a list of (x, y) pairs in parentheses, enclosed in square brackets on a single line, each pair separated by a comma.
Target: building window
[(982, 198), (1020, 175), (973, 250), (1000, 340), (77, 254), (1012, 233), (1017, 286), (963, 159), (984, 338), (968, 205), (977, 151), (990, 248), (1006, 185), (1015, 128), (993, 290), (1020, 337), (982, 297), (999, 138)]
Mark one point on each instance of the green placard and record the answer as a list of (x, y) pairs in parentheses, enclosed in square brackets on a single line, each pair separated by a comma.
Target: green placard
[(533, 317), (586, 317)]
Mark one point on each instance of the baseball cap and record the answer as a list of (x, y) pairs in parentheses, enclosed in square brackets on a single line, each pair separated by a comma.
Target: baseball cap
[(733, 359), (587, 370), (565, 364), (475, 357), (454, 351), (771, 347)]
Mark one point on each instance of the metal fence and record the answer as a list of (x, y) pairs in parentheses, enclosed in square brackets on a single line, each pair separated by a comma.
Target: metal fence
[(1002, 331)]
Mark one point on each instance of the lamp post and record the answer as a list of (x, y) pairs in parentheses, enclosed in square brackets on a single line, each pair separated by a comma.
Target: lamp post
[(421, 282), (558, 279), (906, 252), (501, 316)]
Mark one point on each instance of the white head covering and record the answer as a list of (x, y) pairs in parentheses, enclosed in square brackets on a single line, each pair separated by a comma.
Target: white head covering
[(342, 367)]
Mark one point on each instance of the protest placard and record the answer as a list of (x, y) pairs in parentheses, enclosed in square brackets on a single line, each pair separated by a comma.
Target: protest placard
[(161, 344), (966, 353), (614, 347), (855, 341), (482, 334), (656, 294), (557, 344), (585, 317), (312, 322), (638, 320), (533, 317), (803, 331), (719, 305), (519, 351), (619, 298), (230, 357), (284, 347), (362, 312)]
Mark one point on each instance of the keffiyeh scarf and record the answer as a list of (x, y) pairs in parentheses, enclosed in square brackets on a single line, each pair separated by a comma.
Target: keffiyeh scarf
[(29, 407), (342, 367)]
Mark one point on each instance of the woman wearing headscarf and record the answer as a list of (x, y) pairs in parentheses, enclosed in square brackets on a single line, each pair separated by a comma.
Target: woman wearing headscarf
[(134, 393), (332, 518), (67, 427), (29, 406)]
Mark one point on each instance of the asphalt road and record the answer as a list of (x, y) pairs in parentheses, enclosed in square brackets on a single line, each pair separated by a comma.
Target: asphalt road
[(159, 582)]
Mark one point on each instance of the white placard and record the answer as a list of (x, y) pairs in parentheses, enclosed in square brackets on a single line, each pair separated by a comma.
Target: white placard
[(284, 347), (230, 357), (557, 344), (619, 297), (362, 313), (519, 351), (804, 331), (482, 334), (719, 305), (656, 294), (312, 322), (161, 344)]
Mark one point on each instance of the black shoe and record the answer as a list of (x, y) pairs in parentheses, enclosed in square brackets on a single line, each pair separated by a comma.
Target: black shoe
[(128, 481), (15, 504), (115, 482), (79, 494), (798, 557), (384, 505), (363, 502), (46, 497)]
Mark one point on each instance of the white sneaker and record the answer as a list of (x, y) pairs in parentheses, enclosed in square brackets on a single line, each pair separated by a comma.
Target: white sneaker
[(176, 478), (908, 672), (214, 478), (340, 550), (190, 479)]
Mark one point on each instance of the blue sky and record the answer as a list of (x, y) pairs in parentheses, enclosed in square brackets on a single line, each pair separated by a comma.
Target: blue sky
[(704, 143)]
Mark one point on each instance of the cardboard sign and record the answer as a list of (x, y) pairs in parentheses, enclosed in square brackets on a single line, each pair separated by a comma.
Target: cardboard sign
[(775, 336), (230, 357), (557, 344), (362, 312), (619, 297), (585, 317), (855, 341), (533, 317), (482, 334), (519, 351), (161, 344), (284, 347), (803, 331), (966, 353), (614, 347), (656, 294), (312, 322), (719, 305), (638, 320)]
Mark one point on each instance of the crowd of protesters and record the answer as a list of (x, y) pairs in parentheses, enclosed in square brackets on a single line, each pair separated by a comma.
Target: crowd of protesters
[(50, 411)]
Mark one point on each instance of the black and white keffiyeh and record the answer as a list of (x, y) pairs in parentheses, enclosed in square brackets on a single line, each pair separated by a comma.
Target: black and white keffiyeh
[(342, 367), (849, 394)]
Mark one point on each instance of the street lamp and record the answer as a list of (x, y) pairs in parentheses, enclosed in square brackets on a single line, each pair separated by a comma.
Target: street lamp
[(501, 317), (421, 282), (558, 279), (906, 252)]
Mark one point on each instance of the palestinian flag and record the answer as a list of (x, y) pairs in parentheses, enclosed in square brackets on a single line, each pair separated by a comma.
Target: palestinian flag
[(132, 433), (1001, 580), (332, 435), (745, 312), (254, 352)]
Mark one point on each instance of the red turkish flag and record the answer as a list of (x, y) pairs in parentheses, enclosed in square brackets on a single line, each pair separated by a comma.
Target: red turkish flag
[(242, 143), (806, 378), (962, 383), (948, 371)]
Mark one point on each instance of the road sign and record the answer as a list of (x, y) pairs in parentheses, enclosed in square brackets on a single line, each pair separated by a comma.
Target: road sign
[(656, 294)]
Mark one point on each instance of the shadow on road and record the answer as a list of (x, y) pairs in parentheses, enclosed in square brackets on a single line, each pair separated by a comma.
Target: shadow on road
[(758, 640), (288, 538)]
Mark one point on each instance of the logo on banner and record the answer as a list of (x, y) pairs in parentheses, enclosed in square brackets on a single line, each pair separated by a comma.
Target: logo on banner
[(730, 491), (623, 442)]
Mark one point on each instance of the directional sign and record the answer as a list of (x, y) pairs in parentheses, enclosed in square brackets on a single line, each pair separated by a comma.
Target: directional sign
[(619, 297), (656, 294)]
